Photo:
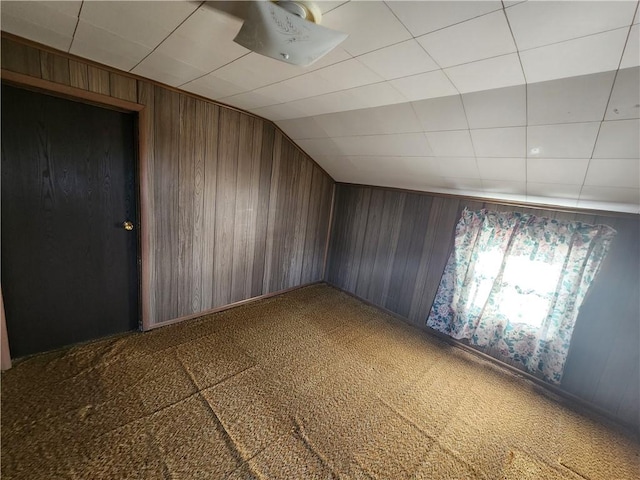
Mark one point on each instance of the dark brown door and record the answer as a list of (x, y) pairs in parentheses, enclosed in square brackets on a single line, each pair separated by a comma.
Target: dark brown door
[(69, 267)]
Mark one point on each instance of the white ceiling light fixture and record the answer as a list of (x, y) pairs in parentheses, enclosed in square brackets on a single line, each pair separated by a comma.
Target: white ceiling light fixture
[(287, 31)]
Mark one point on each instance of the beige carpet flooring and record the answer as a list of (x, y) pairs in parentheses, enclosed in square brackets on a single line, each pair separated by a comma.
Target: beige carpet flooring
[(310, 384)]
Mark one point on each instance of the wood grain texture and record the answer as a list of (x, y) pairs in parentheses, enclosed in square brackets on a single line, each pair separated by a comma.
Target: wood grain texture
[(20, 58), (166, 181), (234, 210), (210, 149), (98, 80), (390, 248), (122, 87), (79, 75), (54, 68), (186, 193), (228, 142), (146, 142)]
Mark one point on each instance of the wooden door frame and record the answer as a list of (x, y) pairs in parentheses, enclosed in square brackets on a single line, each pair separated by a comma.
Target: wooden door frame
[(142, 182)]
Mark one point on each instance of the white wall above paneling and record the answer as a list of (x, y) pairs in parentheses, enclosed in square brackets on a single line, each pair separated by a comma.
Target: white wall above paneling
[(520, 100)]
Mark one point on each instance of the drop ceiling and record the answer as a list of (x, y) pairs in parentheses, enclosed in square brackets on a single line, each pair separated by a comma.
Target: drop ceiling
[(528, 101)]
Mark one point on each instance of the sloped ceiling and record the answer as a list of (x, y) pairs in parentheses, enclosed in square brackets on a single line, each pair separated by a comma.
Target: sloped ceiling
[(532, 101)]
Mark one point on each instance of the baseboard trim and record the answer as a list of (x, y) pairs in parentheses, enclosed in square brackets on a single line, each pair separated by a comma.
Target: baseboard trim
[(228, 306)]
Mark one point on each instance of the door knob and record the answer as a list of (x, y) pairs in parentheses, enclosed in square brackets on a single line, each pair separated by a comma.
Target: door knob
[(128, 225)]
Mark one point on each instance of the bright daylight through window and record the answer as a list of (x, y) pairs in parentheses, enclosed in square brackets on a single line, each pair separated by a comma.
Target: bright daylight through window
[(514, 284)]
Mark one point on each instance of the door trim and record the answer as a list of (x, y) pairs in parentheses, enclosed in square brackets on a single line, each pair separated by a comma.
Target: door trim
[(142, 175)]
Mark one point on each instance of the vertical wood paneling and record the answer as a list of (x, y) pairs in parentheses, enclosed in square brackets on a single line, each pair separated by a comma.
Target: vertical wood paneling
[(147, 187), (79, 75), (234, 209), (166, 181), (228, 138), (20, 58), (98, 80), (199, 145), (54, 68), (271, 240), (186, 193), (122, 87), (401, 250), (247, 189), (211, 118), (300, 219), (263, 208)]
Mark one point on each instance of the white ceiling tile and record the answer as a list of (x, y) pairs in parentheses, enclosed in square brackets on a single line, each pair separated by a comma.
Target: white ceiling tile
[(636, 17), (631, 56), (568, 100), (253, 71), (299, 128), (614, 172), (146, 23), (511, 169), (500, 142), (553, 190), (571, 140), (459, 167), (211, 87), (407, 144), (483, 37), (347, 74), (610, 194), (281, 111), (502, 187), (424, 17), (399, 118), (497, 72), (397, 169), (317, 147), (540, 23), (619, 139), (467, 186), (341, 76), (424, 85), (170, 71), (192, 42), (444, 113), (374, 95), (50, 23), (247, 100), (296, 88), (501, 107), (102, 46), (595, 53), (453, 143), (370, 25), (625, 98), (400, 60), (328, 5), (568, 171), (366, 96)]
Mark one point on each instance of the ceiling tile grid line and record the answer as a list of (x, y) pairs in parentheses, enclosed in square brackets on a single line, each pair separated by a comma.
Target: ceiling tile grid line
[(448, 95), (73, 35), (605, 110), (427, 51)]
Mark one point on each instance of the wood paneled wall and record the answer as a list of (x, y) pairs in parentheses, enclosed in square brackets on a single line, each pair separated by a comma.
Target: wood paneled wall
[(235, 210), (390, 248)]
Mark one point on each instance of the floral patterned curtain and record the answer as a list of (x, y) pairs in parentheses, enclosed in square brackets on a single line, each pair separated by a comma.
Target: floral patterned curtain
[(514, 282)]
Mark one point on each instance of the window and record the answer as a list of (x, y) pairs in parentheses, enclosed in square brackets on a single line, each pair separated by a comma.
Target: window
[(515, 282)]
